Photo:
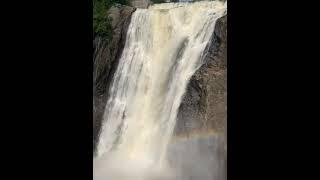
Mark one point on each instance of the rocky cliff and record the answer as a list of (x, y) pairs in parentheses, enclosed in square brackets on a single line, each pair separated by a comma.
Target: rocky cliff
[(204, 106)]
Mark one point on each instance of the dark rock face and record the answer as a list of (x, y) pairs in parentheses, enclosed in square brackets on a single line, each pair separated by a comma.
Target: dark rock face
[(204, 106), (105, 60)]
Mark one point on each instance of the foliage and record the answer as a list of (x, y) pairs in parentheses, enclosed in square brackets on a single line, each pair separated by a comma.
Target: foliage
[(101, 21)]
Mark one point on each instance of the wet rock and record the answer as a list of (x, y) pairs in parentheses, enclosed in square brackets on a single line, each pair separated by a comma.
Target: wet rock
[(204, 106)]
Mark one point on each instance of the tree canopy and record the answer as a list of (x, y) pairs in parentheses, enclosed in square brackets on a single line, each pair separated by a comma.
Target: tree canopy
[(101, 21)]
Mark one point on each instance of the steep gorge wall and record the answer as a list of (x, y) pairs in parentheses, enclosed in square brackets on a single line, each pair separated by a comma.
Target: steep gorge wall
[(204, 106)]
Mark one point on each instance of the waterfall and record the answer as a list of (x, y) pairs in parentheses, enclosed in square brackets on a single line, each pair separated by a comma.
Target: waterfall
[(165, 45)]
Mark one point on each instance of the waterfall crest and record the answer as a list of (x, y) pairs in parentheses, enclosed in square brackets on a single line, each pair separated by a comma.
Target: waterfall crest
[(165, 45)]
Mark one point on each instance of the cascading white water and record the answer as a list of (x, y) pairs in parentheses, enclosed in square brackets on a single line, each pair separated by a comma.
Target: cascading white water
[(164, 47)]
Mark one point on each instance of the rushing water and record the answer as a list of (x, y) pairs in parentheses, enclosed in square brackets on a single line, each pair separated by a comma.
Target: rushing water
[(165, 45)]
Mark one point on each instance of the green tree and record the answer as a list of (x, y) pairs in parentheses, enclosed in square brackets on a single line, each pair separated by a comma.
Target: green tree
[(101, 21)]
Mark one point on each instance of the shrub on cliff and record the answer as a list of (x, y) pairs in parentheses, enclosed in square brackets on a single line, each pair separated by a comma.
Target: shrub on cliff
[(101, 22)]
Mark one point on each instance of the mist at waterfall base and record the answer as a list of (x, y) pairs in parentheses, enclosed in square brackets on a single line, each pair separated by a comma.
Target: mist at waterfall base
[(188, 159), (165, 45)]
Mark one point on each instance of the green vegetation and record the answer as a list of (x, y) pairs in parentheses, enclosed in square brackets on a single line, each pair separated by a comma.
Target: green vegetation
[(101, 22)]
